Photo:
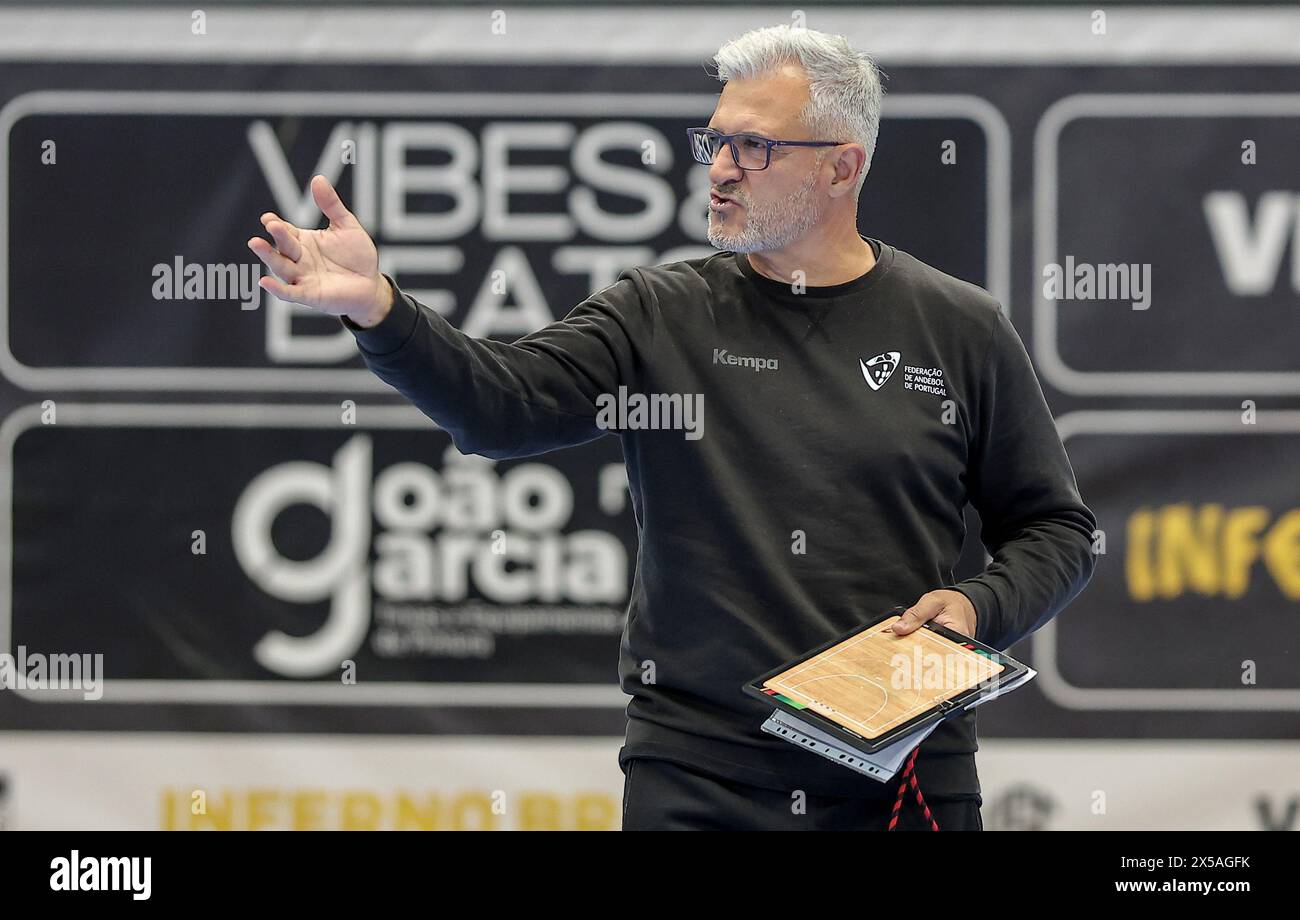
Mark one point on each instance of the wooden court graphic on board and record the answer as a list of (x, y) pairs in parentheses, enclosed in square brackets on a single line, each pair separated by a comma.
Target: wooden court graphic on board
[(863, 685)]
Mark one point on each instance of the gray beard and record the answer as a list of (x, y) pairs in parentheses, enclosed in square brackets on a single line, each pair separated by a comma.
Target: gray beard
[(772, 225)]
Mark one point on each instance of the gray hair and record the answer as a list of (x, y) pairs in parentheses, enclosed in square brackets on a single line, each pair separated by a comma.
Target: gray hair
[(844, 85)]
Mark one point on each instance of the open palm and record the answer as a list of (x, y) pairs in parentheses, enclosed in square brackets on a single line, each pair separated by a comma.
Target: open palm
[(335, 270)]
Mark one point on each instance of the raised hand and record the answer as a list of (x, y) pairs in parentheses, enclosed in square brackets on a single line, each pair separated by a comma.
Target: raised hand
[(335, 270)]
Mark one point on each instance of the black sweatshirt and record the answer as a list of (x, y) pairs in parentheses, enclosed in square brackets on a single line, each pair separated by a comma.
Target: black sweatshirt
[(827, 486)]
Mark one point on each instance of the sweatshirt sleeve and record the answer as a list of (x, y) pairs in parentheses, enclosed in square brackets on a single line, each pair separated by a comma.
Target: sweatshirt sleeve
[(1036, 526), (518, 399)]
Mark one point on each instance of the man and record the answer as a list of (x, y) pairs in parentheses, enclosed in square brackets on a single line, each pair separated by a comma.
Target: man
[(856, 400)]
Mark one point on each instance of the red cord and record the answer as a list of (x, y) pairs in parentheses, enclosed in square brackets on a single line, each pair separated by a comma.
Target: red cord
[(909, 778)]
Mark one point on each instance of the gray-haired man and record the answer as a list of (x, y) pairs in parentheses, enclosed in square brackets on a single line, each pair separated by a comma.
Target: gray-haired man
[(882, 395)]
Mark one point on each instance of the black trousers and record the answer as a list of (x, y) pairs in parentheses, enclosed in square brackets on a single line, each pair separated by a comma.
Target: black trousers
[(663, 795)]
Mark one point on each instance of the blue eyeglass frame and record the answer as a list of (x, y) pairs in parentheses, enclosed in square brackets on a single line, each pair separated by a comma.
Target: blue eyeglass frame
[(730, 140)]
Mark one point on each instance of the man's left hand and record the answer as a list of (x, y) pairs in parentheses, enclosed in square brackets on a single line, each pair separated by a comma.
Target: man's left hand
[(947, 608)]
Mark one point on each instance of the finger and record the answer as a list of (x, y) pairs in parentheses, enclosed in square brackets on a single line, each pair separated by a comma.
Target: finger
[(283, 268), (284, 233), (271, 216), (278, 288), (286, 239), (951, 622), (959, 613), (926, 608), (329, 202), (957, 620)]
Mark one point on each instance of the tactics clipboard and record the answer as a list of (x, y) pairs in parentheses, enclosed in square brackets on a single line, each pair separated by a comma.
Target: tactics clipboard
[(855, 688)]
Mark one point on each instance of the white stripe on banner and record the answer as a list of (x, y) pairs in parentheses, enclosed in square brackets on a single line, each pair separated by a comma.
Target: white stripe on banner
[(635, 35), (57, 781), (1139, 785)]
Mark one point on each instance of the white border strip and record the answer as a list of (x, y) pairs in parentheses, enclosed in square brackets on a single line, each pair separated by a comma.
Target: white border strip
[(252, 692), (647, 34), (980, 111), (1066, 695)]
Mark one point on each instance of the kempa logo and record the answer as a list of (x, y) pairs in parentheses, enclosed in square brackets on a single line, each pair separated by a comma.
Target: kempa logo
[(722, 356), (877, 370)]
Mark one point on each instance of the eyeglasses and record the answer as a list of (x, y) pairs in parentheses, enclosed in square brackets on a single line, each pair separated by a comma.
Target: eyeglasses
[(750, 151)]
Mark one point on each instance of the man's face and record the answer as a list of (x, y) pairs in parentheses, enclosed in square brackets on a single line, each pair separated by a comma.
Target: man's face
[(768, 208)]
